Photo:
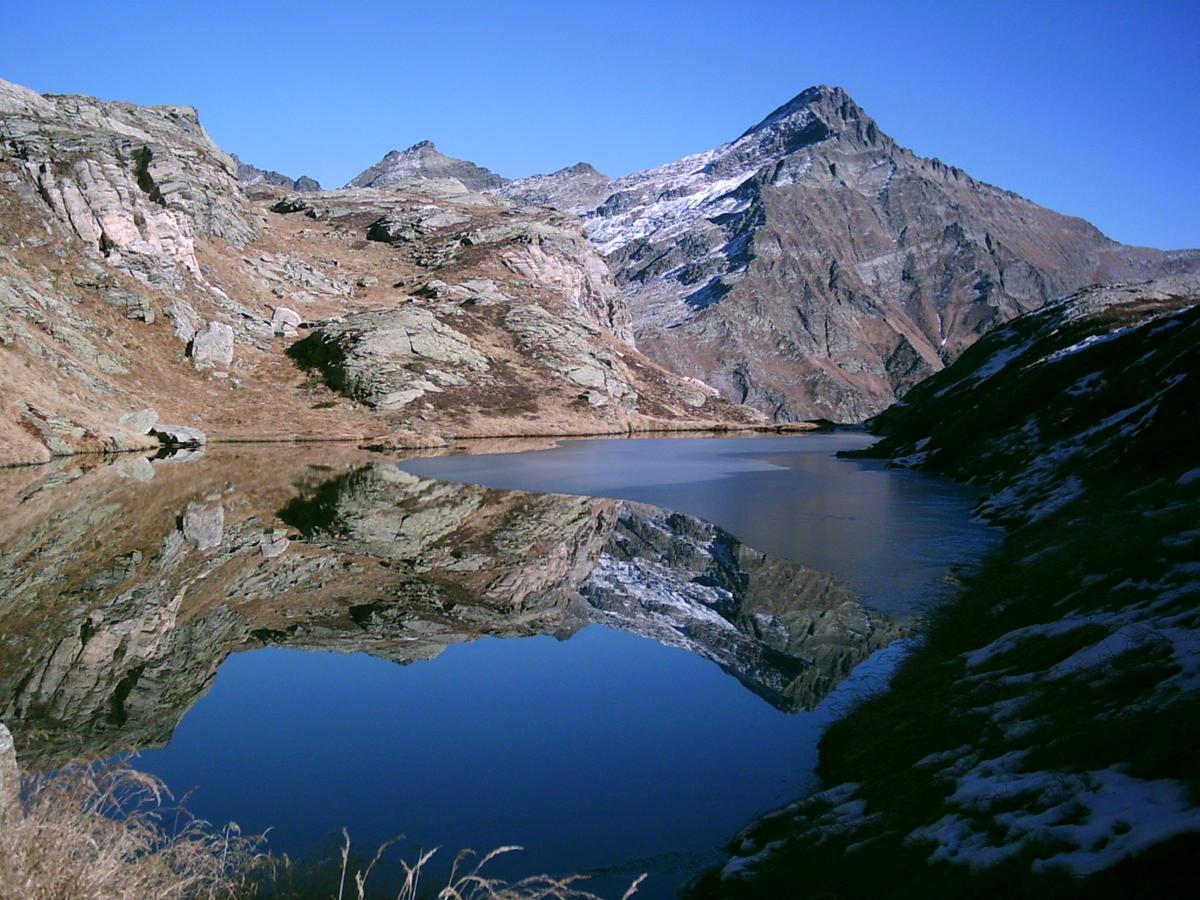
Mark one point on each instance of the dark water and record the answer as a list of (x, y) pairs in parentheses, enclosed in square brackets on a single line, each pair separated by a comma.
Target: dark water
[(306, 642), (891, 534)]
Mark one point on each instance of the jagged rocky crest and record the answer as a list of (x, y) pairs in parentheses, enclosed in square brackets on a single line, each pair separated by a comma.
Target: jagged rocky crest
[(249, 176)]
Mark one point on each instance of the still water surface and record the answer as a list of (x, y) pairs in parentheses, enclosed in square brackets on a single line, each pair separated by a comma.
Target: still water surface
[(615, 687)]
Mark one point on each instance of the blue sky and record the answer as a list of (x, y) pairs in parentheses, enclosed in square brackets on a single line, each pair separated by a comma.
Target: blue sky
[(1089, 108)]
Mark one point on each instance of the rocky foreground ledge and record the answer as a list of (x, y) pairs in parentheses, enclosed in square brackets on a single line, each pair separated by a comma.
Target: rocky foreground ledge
[(1042, 740), (136, 273)]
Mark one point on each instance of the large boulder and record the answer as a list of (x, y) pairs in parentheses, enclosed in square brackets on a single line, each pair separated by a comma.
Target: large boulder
[(213, 346)]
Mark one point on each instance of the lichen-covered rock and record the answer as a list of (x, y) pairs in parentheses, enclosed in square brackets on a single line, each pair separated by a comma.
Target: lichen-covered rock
[(390, 358), (213, 346), (136, 184)]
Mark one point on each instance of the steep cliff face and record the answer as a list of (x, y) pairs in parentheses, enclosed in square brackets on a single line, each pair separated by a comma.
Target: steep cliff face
[(123, 587), (814, 268), (137, 273), (1062, 658)]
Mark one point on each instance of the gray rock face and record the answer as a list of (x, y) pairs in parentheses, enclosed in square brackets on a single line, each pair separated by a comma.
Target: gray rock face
[(213, 346), (390, 358), (248, 175), (421, 161), (814, 268), (141, 422), (10, 778), (137, 184), (575, 189)]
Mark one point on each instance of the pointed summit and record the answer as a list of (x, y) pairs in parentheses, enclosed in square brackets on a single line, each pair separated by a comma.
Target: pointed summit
[(817, 113), (424, 160)]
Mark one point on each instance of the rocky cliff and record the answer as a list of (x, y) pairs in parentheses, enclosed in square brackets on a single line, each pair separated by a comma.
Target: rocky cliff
[(125, 586), (813, 268), (1068, 659), (136, 273)]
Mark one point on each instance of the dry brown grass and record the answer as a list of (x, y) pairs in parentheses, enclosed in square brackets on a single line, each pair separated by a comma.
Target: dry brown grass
[(105, 831), (101, 831), (466, 880)]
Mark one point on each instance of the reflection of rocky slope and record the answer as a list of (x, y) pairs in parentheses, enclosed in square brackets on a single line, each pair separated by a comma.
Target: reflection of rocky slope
[(1066, 676), (136, 272), (124, 587), (814, 268), (786, 632)]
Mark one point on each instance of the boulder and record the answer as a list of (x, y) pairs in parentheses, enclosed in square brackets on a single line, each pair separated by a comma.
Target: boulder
[(285, 320), (141, 422), (179, 435), (213, 346)]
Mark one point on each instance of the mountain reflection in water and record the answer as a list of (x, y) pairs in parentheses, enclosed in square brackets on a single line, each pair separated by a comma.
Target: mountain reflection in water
[(122, 597), (126, 585)]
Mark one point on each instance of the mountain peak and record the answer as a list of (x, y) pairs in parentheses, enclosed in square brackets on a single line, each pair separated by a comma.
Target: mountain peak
[(424, 160), (830, 109)]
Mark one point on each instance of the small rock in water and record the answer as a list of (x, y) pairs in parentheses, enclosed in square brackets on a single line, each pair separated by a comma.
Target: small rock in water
[(179, 435)]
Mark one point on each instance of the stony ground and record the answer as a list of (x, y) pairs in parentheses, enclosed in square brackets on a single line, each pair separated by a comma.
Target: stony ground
[(136, 273)]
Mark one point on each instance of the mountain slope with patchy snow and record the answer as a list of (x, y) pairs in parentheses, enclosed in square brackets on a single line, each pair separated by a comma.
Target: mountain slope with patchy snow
[(1066, 676), (814, 268)]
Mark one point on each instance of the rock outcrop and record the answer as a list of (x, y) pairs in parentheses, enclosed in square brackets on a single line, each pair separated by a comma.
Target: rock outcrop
[(576, 189), (136, 272), (813, 268)]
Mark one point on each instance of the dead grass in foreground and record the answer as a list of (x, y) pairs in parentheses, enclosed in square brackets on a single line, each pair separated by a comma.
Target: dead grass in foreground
[(100, 831), (104, 831)]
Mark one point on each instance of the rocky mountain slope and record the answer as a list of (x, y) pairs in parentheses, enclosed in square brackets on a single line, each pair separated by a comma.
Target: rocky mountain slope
[(1066, 677), (113, 632), (576, 189), (248, 175), (814, 268), (137, 274), (424, 160)]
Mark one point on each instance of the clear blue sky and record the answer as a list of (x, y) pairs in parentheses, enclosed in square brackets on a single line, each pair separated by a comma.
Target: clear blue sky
[(1091, 108)]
